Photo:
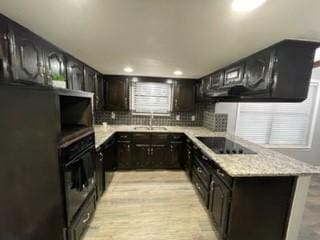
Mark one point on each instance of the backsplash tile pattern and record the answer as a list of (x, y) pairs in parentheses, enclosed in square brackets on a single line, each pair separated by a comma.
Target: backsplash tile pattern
[(204, 116), (129, 118)]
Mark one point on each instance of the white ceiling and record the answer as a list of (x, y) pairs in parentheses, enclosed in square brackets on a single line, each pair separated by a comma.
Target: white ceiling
[(156, 37)]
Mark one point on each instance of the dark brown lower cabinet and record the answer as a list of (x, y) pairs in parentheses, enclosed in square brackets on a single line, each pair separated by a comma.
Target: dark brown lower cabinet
[(125, 159), (142, 156), (219, 204)]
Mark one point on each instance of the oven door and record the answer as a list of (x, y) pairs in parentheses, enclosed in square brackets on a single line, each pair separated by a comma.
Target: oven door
[(79, 178)]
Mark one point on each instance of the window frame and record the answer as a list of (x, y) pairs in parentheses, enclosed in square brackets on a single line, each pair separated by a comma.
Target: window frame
[(316, 82), (132, 96)]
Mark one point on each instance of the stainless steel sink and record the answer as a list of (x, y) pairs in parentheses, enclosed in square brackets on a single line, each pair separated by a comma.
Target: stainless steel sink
[(159, 128), (142, 128)]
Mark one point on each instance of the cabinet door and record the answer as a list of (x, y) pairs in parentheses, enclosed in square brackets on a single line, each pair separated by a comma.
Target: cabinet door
[(100, 176), (55, 71), (28, 57), (234, 75), (99, 90), (142, 156), (6, 46), (216, 80), (117, 93), (159, 155), (75, 74), (90, 76), (258, 72), (219, 204), (124, 158), (174, 161), (183, 97)]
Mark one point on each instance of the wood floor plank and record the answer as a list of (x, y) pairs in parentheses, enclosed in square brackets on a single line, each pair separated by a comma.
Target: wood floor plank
[(162, 205), (157, 205)]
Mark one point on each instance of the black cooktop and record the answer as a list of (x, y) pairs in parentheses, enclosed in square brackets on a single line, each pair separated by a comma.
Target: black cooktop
[(222, 145)]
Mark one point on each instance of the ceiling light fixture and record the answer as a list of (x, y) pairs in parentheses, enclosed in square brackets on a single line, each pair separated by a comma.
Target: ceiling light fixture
[(128, 69), (178, 73), (246, 5)]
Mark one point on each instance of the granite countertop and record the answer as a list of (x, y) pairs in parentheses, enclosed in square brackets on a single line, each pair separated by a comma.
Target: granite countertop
[(265, 163)]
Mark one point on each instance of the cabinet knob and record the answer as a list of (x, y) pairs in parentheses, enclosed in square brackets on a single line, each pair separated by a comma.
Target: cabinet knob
[(87, 218), (220, 173)]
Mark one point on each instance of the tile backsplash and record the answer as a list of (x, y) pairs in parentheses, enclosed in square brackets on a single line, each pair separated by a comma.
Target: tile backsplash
[(204, 116)]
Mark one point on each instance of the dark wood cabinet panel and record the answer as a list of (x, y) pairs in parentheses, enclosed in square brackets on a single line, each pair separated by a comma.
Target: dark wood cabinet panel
[(124, 156), (90, 76), (158, 155), (55, 70), (258, 74), (142, 155), (75, 75), (6, 46), (28, 62), (183, 96), (219, 204), (116, 93), (99, 93), (174, 159)]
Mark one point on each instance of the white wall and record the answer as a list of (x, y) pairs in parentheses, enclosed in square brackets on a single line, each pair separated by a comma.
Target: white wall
[(309, 155)]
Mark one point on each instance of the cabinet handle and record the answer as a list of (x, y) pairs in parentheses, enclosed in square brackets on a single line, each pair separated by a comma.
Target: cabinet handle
[(86, 219), (151, 152), (198, 187), (176, 102), (199, 170), (101, 156), (195, 147), (204, 157), (212, 184), (220, 173), (148, 151)]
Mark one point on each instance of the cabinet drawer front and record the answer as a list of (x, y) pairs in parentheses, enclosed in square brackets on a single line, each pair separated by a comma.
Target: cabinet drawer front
[(202, 173), (84, 218), (201, 189), (124, 136), (143, 138), (176, 137), (159, 138)]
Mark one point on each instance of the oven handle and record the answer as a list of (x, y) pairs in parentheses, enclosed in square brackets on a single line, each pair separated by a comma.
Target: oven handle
[(78, 157)]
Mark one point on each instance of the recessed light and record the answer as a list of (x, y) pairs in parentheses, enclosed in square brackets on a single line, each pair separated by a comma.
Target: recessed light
[(128, 69), (246, 5), (178, 73)]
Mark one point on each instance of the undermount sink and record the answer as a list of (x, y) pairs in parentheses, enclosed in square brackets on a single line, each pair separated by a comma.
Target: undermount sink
[(142, 128), (150, 128), (159, 128)]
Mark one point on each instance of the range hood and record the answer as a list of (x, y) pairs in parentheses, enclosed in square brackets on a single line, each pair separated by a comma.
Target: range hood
[(280, 73)]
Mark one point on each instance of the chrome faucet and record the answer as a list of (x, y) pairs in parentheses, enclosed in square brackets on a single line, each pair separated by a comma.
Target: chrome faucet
[(151, 119)]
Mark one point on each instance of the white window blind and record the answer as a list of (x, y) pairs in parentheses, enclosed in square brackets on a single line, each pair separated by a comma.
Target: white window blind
[(147, 97), (279, 124)]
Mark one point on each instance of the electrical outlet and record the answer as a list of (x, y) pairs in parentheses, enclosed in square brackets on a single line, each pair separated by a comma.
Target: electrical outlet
[(193, 118), (178, 117), (113, 115)]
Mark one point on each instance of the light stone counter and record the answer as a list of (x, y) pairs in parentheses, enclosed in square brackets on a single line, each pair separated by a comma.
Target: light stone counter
[(265, 163)]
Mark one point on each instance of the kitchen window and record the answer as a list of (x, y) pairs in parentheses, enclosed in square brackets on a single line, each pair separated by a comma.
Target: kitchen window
[(150, 97), (280, 125)]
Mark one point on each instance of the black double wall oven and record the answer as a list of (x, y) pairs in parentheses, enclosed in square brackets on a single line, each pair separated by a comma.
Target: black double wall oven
[(78, 173)]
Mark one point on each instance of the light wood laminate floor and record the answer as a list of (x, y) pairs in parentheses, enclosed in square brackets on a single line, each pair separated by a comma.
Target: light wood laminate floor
[(151, 205), (162, 205)]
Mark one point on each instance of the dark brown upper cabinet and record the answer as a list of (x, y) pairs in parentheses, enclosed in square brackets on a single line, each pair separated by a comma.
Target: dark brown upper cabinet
[(183, 96), (6, 44), (117, 93), (55, 71), (99, 92), (258, 73), (27, 60), (75, 76), (90, 76), (279, 73)]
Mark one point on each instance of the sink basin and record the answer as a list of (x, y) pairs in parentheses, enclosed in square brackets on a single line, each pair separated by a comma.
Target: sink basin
[(142, 128), (159, 128)]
